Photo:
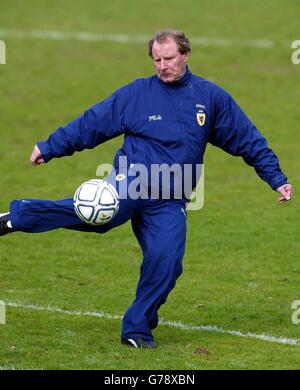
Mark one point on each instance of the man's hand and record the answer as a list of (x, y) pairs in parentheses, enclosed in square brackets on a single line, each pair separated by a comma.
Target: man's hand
[(286, 192), (36, 156)]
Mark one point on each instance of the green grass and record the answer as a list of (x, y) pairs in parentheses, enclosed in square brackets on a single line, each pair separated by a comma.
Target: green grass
[(241, 269)]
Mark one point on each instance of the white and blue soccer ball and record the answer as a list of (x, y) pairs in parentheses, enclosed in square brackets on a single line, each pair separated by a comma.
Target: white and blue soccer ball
[(96, 202)]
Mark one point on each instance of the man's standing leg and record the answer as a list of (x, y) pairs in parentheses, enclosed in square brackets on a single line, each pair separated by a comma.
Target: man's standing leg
[(161, 232)]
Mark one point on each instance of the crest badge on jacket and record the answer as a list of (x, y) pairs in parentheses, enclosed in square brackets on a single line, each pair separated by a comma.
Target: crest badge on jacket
[(200, 118)]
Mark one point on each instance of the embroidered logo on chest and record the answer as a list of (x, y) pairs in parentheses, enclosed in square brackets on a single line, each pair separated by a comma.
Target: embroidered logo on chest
[(200, 115), (155, 118)]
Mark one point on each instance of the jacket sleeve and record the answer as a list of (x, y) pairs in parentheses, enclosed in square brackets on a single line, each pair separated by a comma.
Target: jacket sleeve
[(236, 134), (101, 122)]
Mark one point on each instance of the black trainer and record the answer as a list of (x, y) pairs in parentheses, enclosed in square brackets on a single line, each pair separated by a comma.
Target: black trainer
[(4, 229), (138, 342)]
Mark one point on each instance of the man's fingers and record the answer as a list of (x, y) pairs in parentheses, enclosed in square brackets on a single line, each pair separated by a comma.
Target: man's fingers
[(36, 156), (286, 196), (37, 162), (286, 193)]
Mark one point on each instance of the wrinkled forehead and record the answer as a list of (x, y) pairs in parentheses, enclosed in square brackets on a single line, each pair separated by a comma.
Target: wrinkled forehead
[(166, 48)]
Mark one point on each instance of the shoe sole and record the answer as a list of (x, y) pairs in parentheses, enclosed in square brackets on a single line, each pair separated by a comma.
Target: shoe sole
[(132, 343)]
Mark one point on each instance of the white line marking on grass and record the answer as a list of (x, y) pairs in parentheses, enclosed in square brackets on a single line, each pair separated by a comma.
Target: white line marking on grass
[(177, 325), (63, 311), (214, 328), (125, 38)]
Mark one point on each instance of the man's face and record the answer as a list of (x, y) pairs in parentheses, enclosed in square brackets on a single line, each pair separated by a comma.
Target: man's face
[(169, 63)]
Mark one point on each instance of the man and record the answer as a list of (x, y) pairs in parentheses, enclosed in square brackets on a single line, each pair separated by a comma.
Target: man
[(166, 119)]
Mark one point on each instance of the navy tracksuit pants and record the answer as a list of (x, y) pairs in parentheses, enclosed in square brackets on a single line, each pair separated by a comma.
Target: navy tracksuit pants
[(160, 228)]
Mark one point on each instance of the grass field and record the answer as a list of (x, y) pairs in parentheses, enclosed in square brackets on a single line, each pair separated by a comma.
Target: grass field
[(241, 269)]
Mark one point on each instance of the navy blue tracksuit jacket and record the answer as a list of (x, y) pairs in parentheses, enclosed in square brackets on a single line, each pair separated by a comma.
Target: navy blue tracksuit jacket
[(162, 124)]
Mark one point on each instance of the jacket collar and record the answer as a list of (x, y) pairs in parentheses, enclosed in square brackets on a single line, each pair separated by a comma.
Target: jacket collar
[(184, 80)]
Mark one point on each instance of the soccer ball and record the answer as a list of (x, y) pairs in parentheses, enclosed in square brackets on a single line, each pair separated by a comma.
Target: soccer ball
[(96, 202)]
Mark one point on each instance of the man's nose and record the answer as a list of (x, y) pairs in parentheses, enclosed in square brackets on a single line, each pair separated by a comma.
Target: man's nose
[(163, 65)]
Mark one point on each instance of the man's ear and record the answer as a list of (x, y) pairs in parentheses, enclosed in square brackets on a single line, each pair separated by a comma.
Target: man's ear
[(186, 57)]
